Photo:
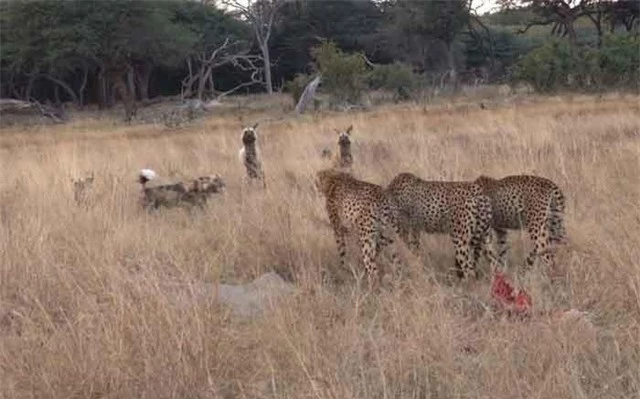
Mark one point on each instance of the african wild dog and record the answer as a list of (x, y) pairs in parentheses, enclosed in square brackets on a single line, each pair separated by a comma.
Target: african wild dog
[(250, 155), (344, 159), (81, 189), (193, 192)]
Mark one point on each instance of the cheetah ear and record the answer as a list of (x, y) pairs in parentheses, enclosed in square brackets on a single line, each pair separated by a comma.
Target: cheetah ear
[(349, 129), (256, 125)]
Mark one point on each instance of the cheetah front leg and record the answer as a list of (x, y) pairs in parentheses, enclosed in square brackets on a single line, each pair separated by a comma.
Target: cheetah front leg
[(541, 246), (464, 254), (501, 243)]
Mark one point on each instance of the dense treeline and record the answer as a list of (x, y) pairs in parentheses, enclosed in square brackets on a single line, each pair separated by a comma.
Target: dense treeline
[(101, 52)]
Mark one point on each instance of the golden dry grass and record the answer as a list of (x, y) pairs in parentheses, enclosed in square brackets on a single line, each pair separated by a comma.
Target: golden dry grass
[(83, 312)]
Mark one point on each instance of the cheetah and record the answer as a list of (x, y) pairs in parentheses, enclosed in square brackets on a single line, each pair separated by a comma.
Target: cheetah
[(361, 207), (344, 159), (457, 208), (81, 189), (250, 156), (531, 202)]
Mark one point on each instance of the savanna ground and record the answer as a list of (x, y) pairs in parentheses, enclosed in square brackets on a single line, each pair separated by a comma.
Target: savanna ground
[(83, 312)]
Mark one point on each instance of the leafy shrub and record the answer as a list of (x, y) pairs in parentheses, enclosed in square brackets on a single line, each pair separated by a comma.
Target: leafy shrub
[(343, 75), (556, 66), (619, 60), (397, 78), (548, 67)]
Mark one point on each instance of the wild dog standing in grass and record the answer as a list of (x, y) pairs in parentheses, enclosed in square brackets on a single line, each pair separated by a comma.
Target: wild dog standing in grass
[(81, 189), (192, 192), (344, 158), (250, 155), (531, 202)]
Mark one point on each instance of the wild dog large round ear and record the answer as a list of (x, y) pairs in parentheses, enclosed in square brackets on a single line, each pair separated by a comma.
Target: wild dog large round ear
[(337, 131), (349, 129), (256, 125)]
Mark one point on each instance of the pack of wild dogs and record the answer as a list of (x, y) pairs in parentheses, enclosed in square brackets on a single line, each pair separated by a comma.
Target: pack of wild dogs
[(475, 214)]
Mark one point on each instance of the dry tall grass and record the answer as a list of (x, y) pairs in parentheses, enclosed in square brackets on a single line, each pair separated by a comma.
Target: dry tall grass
[(83, 312)]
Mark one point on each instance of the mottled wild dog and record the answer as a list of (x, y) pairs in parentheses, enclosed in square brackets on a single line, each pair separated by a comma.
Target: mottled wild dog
[(188, 193), (344, 158), (82, 189), (250, 155)]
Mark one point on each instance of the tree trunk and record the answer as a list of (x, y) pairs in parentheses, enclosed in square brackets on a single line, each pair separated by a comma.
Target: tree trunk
[(205, 72), (83, 85), (56, 95), (131, 82), (32, 78), (122, 88), (451, 63), (102, 90), (264, 47), (571, 32), (143, 78)]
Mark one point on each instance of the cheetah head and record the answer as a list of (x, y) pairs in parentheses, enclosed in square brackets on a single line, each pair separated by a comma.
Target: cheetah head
[(325, 179), (249, 134)]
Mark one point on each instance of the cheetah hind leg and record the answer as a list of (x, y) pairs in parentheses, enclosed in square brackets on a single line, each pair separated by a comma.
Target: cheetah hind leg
[(482, 246), (385, 241)]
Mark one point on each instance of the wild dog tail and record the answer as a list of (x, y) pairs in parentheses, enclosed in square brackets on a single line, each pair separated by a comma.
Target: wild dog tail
[(146, 175)]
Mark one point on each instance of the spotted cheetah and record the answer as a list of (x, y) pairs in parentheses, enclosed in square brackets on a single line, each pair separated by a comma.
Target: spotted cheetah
[(457, 208), (367, 209), (250, 156), (343, 158), (530, 202)]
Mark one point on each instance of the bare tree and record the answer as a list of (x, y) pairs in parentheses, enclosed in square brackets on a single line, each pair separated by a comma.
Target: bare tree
[(260, 14), (201, 66)]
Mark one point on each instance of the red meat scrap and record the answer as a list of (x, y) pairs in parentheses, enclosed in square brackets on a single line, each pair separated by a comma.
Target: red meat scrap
[(506, 299)]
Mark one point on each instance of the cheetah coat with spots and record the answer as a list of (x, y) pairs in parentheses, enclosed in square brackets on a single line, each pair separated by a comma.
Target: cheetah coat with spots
[(457, 208)]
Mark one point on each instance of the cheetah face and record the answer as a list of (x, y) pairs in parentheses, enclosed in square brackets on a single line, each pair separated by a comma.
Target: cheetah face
[(322, 180), (249, 135)]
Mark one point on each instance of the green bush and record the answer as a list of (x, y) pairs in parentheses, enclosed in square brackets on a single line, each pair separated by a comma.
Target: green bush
[(548, 67), (343, 75), (555, 65), (619, 60), (397, 78)]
